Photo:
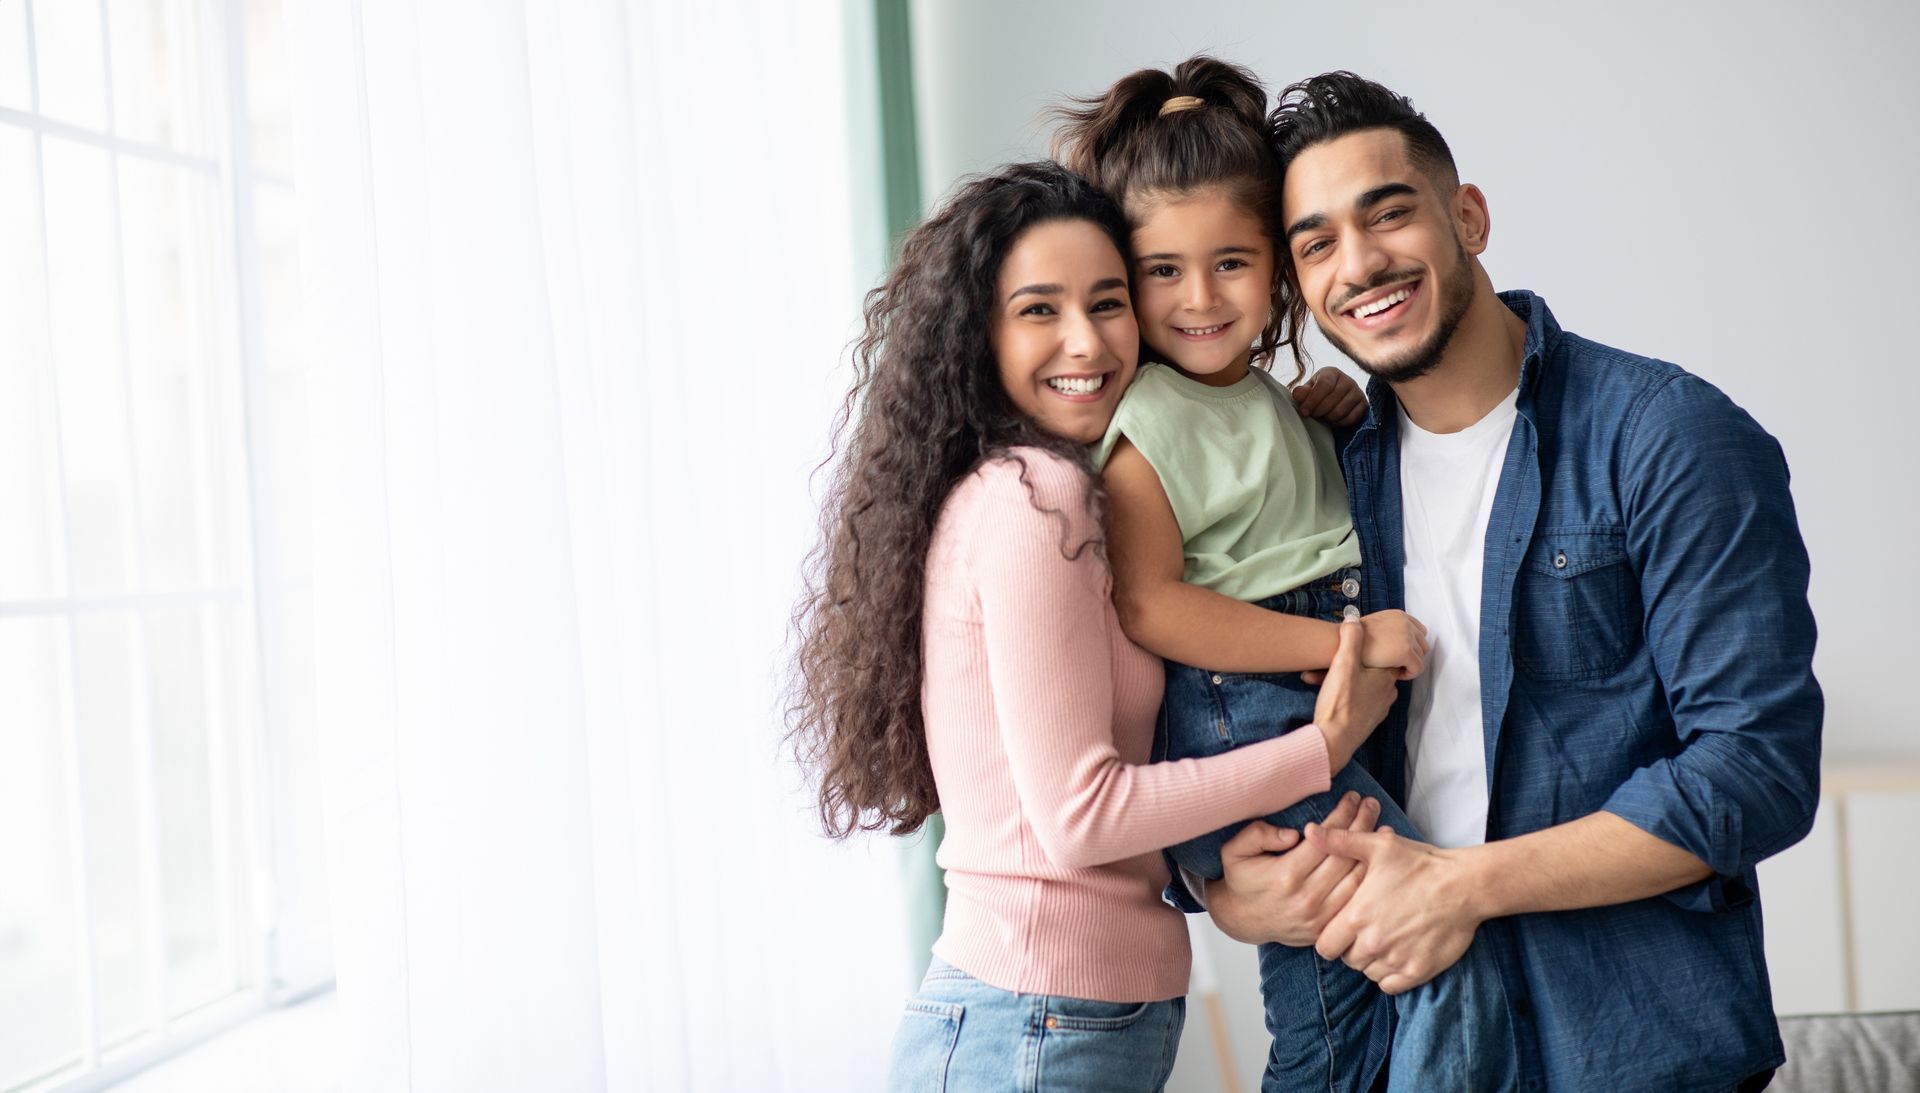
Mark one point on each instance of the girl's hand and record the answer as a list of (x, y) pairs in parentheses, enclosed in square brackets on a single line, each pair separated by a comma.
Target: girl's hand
[(1353, 700), (1395, 640), (1331, 396)]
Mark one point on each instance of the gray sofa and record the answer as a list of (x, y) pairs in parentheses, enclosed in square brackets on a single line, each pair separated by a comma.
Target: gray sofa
[(1850, 1053)]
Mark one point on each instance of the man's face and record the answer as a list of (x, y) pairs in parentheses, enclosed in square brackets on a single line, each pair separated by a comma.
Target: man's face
[(1378, 252)]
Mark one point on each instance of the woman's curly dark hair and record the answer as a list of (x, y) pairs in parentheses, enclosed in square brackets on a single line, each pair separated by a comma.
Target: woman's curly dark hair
[(926, 408)]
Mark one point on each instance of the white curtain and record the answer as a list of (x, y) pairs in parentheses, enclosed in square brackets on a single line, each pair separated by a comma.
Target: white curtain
[(578, 275)]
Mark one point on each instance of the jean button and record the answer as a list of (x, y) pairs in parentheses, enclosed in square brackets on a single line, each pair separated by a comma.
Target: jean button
[(1350, 612), (1053, 1022), (1217, 681), (1350, 588)]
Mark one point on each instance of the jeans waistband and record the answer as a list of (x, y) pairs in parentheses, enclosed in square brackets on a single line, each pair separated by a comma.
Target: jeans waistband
[(1327, 597)]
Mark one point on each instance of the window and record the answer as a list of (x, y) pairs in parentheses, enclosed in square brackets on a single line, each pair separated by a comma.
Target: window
[(159, 865)]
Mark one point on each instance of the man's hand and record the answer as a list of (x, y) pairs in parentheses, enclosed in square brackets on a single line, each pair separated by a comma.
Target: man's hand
[(1412, 916), (1331, 396), (1280, 889)]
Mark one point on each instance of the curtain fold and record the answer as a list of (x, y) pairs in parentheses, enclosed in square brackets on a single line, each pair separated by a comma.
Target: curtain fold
[(578, 278)]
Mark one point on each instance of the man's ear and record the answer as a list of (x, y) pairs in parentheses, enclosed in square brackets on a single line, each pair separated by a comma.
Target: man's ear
[(1471, 222)]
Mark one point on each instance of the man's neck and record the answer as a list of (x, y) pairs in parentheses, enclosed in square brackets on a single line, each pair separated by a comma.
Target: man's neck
[(1479, 369)]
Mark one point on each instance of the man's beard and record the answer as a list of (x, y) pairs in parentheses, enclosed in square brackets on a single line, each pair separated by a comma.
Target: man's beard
[(1456, 296)]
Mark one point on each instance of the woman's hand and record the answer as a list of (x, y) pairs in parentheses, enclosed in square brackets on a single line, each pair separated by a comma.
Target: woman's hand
[(1278, 888), (1330, 395), (1353, 698), (1395, 640)]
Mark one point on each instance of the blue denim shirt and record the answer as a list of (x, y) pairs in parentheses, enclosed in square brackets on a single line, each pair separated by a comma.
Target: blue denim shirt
[(1645, 648)]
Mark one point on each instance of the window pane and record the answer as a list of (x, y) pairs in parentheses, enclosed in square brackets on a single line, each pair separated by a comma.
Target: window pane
[(15, 90), (39, 955), (184, 431), (86, 351), (71, 61), (284, 435), (269, 96), (192, 807), (30, 546), (158, 71), (115, 824)]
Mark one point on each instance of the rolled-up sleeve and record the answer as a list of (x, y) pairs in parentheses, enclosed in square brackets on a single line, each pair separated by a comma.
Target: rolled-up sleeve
[(1723, 573)]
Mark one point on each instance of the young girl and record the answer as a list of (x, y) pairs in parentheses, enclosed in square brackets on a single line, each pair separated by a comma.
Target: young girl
[(1233, 553), (959, 651)]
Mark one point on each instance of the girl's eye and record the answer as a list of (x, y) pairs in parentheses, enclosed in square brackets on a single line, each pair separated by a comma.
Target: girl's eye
[(1233, 263), (1163, 271)]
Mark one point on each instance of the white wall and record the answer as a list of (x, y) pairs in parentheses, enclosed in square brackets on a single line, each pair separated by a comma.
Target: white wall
[(1723, 185)]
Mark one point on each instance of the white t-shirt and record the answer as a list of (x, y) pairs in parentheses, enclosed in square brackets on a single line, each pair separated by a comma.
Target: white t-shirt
[(1447, 483)]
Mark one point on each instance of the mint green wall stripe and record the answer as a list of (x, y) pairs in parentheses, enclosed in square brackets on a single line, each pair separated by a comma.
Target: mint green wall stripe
[(900, 166)]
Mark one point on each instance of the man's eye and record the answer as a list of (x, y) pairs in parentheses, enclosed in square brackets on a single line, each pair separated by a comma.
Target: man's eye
[(1315, 247), (1391, 214)]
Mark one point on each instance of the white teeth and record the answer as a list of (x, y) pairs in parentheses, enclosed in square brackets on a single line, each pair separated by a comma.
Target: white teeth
[(1202, 331), (1381, 304), (1077, 385)]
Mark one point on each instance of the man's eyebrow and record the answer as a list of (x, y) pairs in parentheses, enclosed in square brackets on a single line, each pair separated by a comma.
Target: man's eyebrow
[(1365, 201), (1380, 193), (1306, 224)]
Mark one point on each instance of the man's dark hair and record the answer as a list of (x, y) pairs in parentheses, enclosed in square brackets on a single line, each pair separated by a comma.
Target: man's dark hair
[(1331, 105)]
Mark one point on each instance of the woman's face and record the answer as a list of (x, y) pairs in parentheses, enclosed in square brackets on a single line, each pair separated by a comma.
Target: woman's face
[(1063, 330)]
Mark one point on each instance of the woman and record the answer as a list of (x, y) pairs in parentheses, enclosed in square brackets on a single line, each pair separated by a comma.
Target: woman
[(959, 651)]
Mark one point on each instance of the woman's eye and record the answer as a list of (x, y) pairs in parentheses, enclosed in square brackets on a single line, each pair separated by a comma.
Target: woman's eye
[(1109, 305), (1037, 309)]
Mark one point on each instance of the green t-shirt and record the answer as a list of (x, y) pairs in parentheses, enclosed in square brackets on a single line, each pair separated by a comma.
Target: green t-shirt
[(1257, 491)]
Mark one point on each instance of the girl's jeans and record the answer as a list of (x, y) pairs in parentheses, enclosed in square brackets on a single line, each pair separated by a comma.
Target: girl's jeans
[(1331, 1026), (959, 1035)]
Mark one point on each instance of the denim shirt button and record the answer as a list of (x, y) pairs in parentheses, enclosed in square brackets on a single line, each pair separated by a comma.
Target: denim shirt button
[(1560, 560)]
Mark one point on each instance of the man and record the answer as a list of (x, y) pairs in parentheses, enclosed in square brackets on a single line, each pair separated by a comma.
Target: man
[(1619, 718)]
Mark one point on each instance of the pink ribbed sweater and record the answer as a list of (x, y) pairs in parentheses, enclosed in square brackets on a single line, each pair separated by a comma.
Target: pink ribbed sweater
[(1040, 717)]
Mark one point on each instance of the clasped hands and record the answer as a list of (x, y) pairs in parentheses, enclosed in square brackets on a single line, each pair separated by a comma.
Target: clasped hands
[(1396, 910)]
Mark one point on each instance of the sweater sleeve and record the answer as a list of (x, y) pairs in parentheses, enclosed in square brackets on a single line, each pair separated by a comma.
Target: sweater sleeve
[(1043, 584)]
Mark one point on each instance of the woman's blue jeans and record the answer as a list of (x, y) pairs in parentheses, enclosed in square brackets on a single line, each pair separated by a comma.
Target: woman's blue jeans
[(1332, 1027), (960, 1035)]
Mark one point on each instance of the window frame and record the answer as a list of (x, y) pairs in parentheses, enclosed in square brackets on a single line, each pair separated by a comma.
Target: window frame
[(268, 969)]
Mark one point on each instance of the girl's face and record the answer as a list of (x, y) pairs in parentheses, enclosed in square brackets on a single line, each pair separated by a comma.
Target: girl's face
[(1063, 331), (1203, 277)]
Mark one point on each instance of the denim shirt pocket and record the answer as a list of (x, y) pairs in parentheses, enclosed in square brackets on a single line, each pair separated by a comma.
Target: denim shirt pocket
[(1576, 605)]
